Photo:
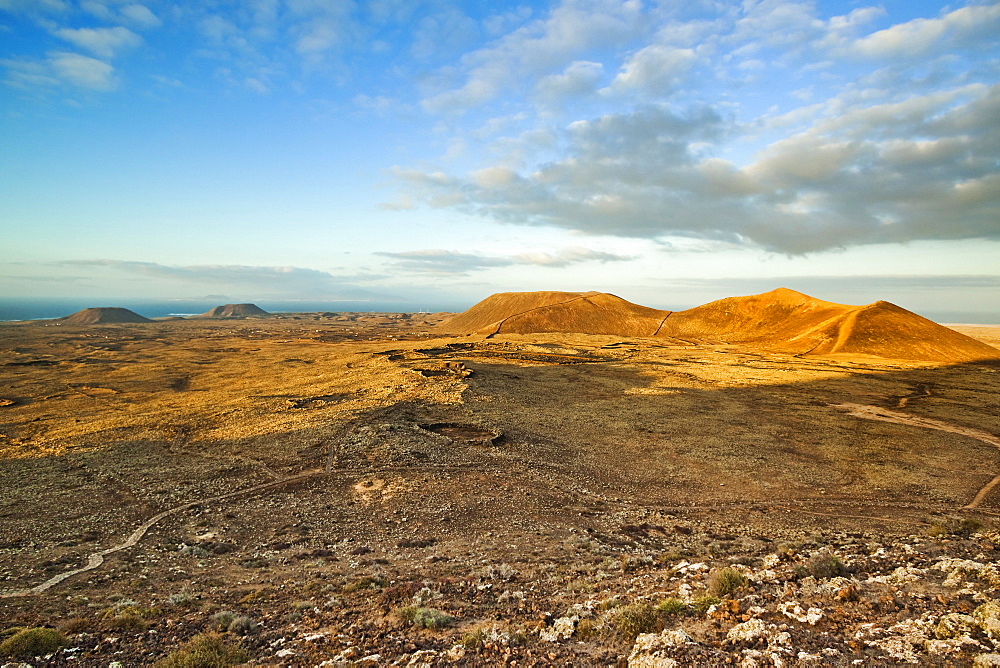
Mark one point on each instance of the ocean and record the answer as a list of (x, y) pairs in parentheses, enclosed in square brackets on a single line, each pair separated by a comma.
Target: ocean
[(38, 309)]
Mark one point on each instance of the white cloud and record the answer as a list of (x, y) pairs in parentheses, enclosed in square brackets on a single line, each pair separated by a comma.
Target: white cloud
[(655, 71), (959, 28), (36, 6), (252, 282), (455, 262), (579, 79), (443, 33), (141, 16), (920, 168), (541, 46), (102, 42), (83, 71)]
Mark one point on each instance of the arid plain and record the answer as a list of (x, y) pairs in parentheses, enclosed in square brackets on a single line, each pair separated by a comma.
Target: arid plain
[(367, 489)]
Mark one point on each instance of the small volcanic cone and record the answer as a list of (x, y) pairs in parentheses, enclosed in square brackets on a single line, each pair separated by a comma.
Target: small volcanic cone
[(233, 311), (103, 315), (571, 312)]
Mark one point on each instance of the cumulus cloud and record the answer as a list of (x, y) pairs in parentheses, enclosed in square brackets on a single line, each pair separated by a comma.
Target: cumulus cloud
[(82, 71), (922, 36), (921, 168), (102, 42), (545, 45), (655, 71), (140, 15), (454, 262), (578, 79)]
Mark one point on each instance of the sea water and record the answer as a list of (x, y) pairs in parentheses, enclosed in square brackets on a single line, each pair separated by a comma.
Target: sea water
[(39, 309)]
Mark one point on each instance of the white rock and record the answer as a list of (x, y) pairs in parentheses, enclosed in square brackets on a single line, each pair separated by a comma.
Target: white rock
[(756, 628), (423, 658), (456, 653), (561, 629), (652, 650), (793, 610)]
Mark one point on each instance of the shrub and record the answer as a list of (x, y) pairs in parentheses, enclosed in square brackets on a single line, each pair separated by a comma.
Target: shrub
[(628, 621), (491, 633), (240, 625), (76, 625), (726, 581), (126, 615), (243, 626), (206, 650), (181, 598), (221, 620), (587, 628), (703, 603), (502, 572), (826, 564), (366, 582), (428, 618), (29, 643), (954, 526), (671, 606)]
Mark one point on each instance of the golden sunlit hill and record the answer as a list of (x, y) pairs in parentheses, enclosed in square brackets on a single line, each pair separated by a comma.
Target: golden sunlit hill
[(234, 311), (579, 312), (782, 320), (103, 315), (789, 321)]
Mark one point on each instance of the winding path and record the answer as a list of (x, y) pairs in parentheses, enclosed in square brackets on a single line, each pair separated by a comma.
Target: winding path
[(97, 558), (899, 417), (866, 412)]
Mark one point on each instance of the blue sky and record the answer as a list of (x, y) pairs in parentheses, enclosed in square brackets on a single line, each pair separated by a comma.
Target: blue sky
[(669, 152)]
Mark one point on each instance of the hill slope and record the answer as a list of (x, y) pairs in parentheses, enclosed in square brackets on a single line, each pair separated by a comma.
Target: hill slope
[(781, 320), (233, 311), (531, 312), (789, 321), (104, 315)]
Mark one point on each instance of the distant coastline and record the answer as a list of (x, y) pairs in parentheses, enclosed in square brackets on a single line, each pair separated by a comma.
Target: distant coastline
[(42, 309), (46, 309)]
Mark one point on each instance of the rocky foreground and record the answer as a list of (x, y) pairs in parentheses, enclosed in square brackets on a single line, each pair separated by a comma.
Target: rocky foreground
[(833, 599)]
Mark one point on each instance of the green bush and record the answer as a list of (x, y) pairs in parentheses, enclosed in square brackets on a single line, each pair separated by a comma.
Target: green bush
[(954, 526), (825, 564), (127, 615), (206, 650), (671, 606), (428, 618), (703, 603), (726, 581), (630, 620), (29, 643)]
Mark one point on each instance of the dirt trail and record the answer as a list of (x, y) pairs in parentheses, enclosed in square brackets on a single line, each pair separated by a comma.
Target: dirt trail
[(97, 558), (898, 417)]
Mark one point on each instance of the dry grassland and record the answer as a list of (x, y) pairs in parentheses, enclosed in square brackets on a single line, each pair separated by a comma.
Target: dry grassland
[(429, 459)]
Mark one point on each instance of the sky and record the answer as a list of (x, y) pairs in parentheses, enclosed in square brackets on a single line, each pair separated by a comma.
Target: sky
[(439, 151)]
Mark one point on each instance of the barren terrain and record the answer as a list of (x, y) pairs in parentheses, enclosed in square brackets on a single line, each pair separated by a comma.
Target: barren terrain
[(331, 478)]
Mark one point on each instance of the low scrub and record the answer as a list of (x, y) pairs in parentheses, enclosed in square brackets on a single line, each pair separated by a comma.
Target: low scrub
[(207, 650), (825, 564), (726, 582), (628, 621), (29, 643), (427, 618)]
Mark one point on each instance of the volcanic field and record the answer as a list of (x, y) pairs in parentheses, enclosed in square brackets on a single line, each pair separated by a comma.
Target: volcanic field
[(546, 479)]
